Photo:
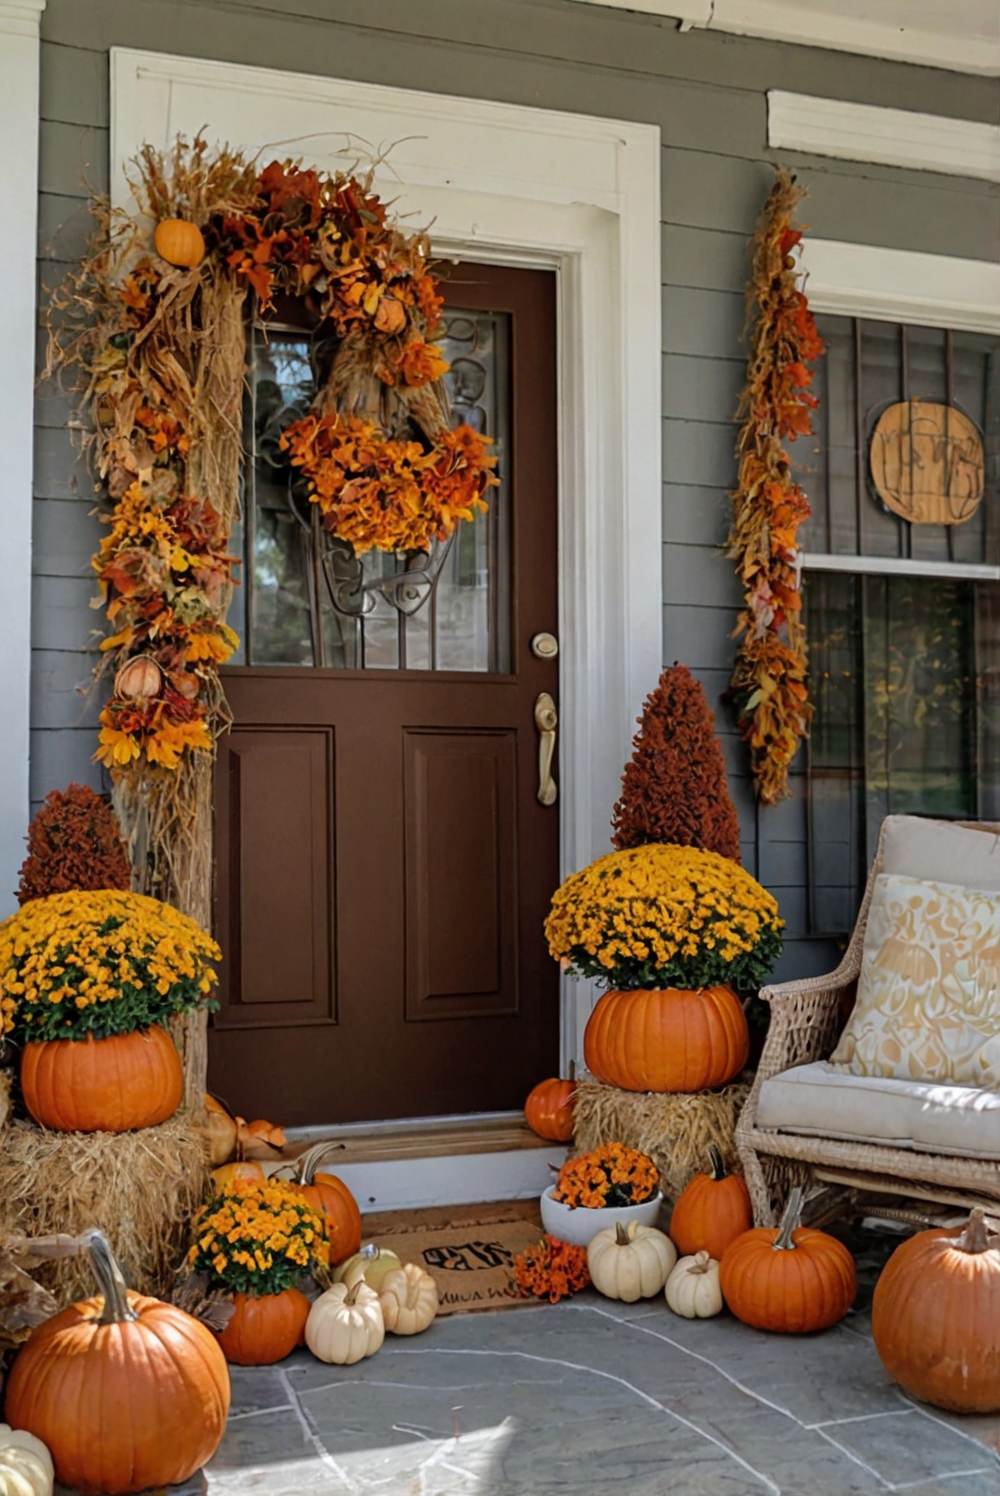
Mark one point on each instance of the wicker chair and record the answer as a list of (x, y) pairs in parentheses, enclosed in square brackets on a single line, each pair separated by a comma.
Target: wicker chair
[(805, 1023)]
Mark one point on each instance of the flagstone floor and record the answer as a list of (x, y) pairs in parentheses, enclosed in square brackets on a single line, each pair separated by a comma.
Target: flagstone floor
[(596, 1398)]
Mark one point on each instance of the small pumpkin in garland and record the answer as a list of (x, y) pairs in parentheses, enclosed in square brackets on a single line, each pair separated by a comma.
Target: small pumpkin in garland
[(332, 1199), (126, 1392), (548, 1109), (712, 1211), (630, 1262), (935, 1315), (790, 1279), (180, 243), (25, 1464), (266, 1328)]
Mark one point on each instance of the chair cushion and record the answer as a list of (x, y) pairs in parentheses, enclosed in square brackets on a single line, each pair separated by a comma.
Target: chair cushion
[(821, 1101), (941, 851), (928, 1003)]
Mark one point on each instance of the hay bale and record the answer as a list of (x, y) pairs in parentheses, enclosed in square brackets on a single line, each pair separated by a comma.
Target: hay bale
[(141, 1188), (674, 1129)]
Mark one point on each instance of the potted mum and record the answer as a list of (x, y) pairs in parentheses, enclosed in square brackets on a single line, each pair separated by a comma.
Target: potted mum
[(257, 1241), (87, 981), (609, 1185), (678, 935)]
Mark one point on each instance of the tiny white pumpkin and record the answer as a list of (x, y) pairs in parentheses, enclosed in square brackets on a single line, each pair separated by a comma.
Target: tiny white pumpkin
[(630, 1262), (693, 1287), (345, 1324), (409, 1299), (371, 1263), (25, 1464)]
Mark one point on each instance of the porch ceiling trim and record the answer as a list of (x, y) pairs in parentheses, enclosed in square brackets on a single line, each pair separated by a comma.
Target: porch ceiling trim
[(898, 285), (891, 137)]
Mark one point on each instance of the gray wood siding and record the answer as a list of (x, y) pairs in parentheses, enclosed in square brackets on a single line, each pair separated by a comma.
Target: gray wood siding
[(707, 94)]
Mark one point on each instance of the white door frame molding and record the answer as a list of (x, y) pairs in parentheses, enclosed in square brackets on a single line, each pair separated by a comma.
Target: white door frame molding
[(19, 116), (531, 186)]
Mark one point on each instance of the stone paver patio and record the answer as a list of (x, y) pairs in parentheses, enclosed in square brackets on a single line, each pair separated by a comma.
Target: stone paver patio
[(599, 1398)]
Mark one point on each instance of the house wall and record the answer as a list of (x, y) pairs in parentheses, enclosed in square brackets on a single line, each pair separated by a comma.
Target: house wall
[(706, 92)]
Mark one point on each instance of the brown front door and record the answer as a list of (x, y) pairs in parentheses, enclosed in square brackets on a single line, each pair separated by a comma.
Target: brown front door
[(384, 863)]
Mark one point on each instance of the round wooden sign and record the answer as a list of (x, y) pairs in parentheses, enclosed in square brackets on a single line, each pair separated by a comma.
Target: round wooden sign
[(927, 462)]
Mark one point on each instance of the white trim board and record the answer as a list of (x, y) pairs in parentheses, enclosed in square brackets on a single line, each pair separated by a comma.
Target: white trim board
[(897, 285), (523, 185), (891, 137), (899, 566), (19, 124)]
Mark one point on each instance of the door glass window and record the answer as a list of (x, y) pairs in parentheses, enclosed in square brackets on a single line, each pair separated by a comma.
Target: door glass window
[(306, 601)]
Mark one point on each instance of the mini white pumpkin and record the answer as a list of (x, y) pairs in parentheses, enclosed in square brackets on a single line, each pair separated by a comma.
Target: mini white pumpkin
[(693, 1287), (345, 1324), (25, 1464), (409, 1299), (630, 1262), (371, 1263)]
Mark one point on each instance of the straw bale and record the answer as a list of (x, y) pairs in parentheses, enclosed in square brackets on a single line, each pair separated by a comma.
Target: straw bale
[(140, 1188), (673, 1128)]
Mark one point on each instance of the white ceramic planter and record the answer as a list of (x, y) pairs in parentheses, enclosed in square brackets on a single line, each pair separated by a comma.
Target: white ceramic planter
[(577, 1224)]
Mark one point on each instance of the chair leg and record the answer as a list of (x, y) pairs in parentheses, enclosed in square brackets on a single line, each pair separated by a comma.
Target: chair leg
[(757, 1184)]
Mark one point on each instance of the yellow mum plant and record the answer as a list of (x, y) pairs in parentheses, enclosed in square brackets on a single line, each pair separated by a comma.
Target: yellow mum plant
[(258, 1238), (665, 916), (99, 962)]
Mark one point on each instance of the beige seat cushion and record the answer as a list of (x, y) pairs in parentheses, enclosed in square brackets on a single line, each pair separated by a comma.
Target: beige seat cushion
[(928, 1003), (941, 852), (820, 1101)]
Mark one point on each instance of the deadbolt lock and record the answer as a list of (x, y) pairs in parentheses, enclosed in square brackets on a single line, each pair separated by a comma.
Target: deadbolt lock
[(545, 646)]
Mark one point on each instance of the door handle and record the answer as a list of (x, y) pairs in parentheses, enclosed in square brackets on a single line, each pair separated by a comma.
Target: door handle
[(546, 720)]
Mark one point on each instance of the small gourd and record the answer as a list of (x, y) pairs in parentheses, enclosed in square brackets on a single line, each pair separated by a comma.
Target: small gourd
[(179, 242), (409, 1299), (693, 1287), (371, 1263), (26, 1467), (345, 1324), (630, 1262)]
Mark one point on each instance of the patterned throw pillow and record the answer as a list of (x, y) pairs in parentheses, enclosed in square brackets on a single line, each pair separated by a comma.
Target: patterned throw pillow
[(928, 1005)]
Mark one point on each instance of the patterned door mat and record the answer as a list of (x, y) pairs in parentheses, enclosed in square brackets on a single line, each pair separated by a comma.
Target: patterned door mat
[(468, 1249)]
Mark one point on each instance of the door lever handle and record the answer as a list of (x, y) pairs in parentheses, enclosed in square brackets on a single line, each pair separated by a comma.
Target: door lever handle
[(546, 720)]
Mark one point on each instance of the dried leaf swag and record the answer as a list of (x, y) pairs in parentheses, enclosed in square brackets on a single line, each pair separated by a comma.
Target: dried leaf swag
[(769, 680), (159, 351)]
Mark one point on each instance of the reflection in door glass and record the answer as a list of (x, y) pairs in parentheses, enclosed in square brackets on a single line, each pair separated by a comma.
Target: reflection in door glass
[(295, 576)]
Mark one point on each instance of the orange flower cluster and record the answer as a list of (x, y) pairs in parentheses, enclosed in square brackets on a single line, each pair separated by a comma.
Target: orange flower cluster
[(769, 680), (610, 1175), (384, 494), (551, 1270)]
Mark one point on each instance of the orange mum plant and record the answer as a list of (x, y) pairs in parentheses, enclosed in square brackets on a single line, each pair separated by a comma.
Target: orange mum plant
[(769, 680), (609, 1175), (551, 1270)]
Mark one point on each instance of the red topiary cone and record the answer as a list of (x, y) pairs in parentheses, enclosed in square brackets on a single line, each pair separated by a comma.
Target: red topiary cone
[(674, 786), (73, 842)]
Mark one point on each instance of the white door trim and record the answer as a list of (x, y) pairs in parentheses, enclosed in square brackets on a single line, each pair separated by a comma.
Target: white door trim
[(539, 186), (19, 116), (902, 285)]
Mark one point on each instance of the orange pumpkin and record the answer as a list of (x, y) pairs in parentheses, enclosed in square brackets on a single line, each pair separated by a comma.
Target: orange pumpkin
[(179, 243), (127, 1392), (667, 1040), (265, 1329), (713, 1210), (331, 1198), (244, 1168), (103, 1085), (549, 1108), (935, 1315), (789, 1278)]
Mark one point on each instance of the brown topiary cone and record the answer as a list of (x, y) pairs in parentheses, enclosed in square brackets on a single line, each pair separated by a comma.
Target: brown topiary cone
[(674, 786), (73, 842)]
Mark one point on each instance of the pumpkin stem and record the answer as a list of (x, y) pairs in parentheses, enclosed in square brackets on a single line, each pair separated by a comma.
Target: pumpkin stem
[(976, 1236), (701, 1263), (717, 1164), (621, 1235), (117, 1309), (572, 1070), (311, 1159), (351, 1297), (789, 1221)]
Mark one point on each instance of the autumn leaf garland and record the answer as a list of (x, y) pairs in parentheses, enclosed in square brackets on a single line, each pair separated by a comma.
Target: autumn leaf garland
[(769, 683)]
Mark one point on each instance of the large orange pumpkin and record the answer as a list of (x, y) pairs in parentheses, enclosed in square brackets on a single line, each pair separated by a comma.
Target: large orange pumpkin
[(712, 1211), (667, 1040), (549, 1108), (789, 1278), (936, 1317), (265, 1329), (127, 1392), (103, 1085), (179, 242), (330, 1198)]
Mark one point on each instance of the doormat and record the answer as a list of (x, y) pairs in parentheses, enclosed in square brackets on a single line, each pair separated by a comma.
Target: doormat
[(468, 1249)]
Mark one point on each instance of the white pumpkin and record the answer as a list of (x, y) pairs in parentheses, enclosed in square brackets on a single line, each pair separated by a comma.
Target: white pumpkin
[(25, 1464), (345, 1324), (693, 1287), (371, 1263), (409, 1299), (630, 1262)]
